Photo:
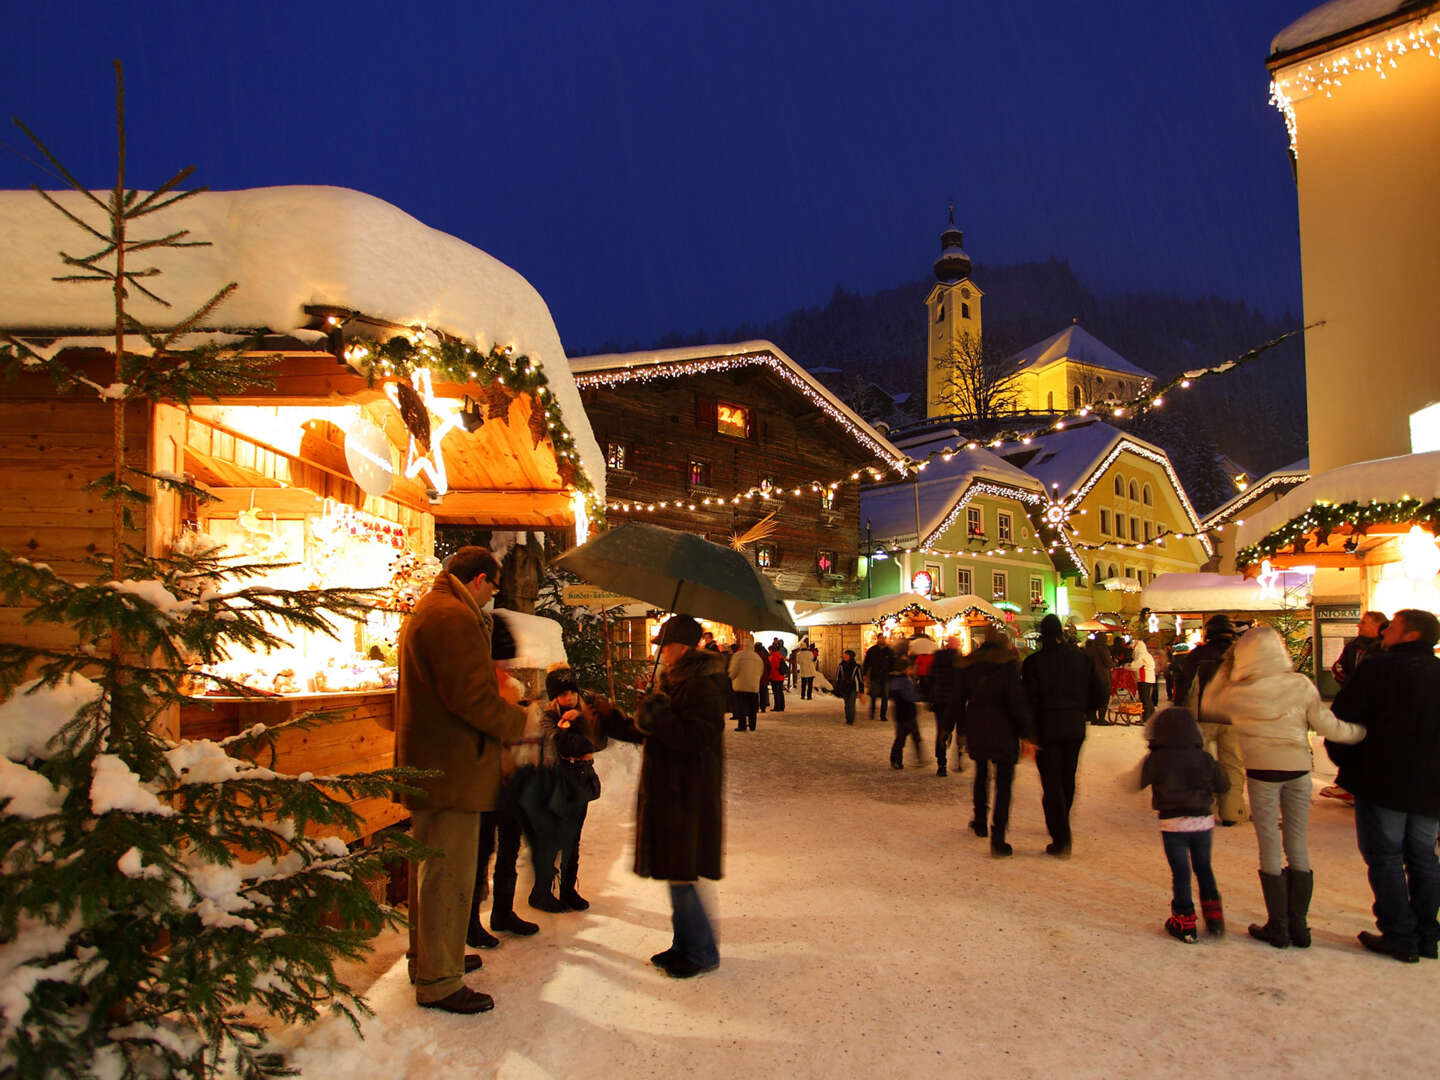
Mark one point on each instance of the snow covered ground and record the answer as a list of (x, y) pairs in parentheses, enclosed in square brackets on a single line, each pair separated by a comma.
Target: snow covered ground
[(866, 932)]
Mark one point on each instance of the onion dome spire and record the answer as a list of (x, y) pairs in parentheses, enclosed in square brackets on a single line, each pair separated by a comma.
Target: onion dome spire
[(953, 264)]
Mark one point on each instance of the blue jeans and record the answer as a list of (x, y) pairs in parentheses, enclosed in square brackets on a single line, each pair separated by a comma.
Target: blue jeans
[(1184, 850), (694, 939), (1399, 851)]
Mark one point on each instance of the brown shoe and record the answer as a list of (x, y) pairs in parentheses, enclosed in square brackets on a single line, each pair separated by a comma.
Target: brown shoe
[(464, 1001)]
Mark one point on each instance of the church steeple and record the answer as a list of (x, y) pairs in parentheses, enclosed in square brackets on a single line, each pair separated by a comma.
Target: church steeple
[(953, 264)]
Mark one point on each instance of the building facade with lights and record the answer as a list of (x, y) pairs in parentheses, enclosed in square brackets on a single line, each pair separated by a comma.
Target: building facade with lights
[(1122, 508), (1222, 523), (967, 524), (739, 444), (1071, 370), (1358, 86)]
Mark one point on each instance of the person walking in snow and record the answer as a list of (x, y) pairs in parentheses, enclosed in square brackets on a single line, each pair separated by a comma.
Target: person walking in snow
[(847, 683), (680, 806), (764, 655), (1143, 664), (803, 660), (779, 670), (944, 689), (878, 664), (746, 670), (1097, 648), (1183, 780), (1196, 668), (905, 709), (1273, 710), (996, 717), (1064, 687)]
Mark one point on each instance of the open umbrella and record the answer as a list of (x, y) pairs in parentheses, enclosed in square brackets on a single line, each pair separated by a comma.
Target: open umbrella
[(680, 572)]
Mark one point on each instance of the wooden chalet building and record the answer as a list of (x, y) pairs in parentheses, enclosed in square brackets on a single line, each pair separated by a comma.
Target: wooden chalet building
[(714, 438)]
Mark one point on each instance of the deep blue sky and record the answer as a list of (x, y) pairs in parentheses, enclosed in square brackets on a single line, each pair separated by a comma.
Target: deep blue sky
[(658, 166)]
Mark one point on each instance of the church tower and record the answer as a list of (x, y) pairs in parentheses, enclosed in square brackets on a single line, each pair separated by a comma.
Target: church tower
[(953, 308)]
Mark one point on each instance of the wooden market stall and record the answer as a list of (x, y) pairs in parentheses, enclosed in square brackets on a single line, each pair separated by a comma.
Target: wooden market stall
[(420, 384), (855, 626)]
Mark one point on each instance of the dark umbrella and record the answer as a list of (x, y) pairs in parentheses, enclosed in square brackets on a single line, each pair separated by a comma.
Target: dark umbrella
[(680, 572)]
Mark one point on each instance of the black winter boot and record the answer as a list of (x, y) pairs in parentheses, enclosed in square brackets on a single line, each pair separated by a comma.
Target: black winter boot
[(542, 895), (1299, 886), (568, 896), (502, 910), (1276, 930)]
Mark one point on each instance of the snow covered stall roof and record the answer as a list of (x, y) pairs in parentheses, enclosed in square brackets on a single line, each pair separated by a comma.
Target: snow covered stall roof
[(290, 248), (611, 368), (875, 610), (1189, 593)]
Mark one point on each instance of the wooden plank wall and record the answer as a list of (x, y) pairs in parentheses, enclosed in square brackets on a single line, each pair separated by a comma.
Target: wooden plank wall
[(49, 451)]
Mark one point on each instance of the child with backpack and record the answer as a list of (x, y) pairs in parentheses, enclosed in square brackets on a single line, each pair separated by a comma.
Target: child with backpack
[(1183, 778)]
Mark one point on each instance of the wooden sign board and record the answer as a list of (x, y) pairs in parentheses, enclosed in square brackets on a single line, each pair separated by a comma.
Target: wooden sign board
[(593, 596)]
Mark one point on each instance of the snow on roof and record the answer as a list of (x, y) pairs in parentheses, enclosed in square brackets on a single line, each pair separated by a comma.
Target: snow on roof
[(1180, 593), (880, 607), (1415, 476), (608, 369), (1333, 18), (1271, 483), (890, 509), (1076, 344), (288, 247), (538, 640)]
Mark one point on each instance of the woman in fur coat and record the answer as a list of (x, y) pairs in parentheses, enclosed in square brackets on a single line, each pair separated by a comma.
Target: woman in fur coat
[(679, 812), (1273, 710)]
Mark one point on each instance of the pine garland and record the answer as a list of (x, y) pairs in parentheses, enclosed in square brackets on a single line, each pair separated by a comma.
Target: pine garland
[(1323, 518)]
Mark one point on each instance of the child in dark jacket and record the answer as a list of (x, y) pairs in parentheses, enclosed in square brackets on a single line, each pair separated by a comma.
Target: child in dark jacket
[(557, 809), (1183, 779), (904, 710)]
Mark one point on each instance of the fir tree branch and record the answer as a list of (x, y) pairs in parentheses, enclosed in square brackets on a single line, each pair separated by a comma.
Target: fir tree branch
[(142, 207)]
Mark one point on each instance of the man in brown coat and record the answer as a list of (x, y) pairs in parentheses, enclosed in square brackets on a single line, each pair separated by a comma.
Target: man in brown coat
[(449, 716)]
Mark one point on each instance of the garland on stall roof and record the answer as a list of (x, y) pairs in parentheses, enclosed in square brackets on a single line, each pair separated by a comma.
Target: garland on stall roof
[(454, 361), (1323, 518)]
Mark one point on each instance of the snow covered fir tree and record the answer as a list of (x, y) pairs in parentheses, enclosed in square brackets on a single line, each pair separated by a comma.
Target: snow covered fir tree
[(162, 899)]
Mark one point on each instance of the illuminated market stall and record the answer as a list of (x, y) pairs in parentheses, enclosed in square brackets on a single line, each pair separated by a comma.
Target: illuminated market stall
[(413, 381)]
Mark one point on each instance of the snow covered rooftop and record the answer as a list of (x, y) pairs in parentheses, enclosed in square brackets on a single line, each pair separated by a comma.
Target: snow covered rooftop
[(1063, 460), (289, 247), (611, 369), (1415, 476), (891, 509), (1272, 483), (1335, 17), (859, 612), (1181, 593), (1077, 345)]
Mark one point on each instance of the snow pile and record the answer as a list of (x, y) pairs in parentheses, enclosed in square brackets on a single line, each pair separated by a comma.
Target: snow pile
[(538, 640), (115, 786), (33, 715), (288, 247)]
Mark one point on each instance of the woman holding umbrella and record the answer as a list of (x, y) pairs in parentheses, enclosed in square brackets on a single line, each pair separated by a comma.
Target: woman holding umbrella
[(679, 813)]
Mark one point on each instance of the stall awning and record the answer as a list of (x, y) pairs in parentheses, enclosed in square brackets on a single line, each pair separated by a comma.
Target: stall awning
[(876, 609)]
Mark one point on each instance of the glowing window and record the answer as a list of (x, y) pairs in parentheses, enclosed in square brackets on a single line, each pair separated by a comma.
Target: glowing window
[(998, 584), (765, 555), (1004, 528), (616, 455), (732, 420), (825, 562), (1037, 591), (827, 498), (973, 523), (699, 473), (964, 582)]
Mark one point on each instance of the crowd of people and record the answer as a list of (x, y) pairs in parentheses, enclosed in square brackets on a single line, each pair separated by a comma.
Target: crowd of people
[(1236, 722)]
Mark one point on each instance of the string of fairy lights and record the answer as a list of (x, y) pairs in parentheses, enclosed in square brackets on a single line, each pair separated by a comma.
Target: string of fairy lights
[(1324, 517), (1381, 53)]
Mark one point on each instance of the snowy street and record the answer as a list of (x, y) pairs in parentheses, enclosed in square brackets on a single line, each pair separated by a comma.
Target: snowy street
[(865, 931)]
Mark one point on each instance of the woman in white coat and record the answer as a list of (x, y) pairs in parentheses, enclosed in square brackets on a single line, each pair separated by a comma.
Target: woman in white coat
[(1143, 664), (1273, 709)]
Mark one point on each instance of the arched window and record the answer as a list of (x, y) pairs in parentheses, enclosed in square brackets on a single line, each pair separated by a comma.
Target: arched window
[(1119, 485), (1147, 497), (1134, 490), (1050, 401), (1077, 397)]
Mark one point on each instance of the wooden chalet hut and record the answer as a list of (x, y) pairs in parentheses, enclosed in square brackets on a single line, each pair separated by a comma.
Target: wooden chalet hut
[(330, 468), (714, 439)]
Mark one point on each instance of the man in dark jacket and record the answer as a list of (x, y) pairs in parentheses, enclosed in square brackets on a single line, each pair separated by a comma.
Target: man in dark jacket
[(1395, 777), (679, 812), (1097, 648), (995, 716), (944, 682), (1064, 687), (879, 662), (1195, 670)]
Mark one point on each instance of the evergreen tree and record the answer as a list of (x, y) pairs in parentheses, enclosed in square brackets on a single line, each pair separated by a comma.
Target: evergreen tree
[(158, 896)]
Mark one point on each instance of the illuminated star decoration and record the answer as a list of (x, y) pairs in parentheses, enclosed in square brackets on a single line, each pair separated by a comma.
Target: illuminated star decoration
[(1269, 579), (444, 418)]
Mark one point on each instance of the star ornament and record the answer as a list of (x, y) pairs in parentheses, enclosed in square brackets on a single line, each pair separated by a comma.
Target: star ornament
[(444, 418)]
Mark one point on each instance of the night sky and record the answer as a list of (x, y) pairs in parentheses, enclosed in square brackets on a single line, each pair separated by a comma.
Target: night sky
[(662, 166)]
